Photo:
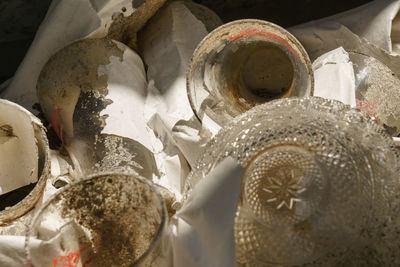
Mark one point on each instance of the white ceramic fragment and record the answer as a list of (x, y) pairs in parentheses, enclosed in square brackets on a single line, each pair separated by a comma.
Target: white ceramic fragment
[(93, 93), (24, 159), (334, 77), (18, 150)]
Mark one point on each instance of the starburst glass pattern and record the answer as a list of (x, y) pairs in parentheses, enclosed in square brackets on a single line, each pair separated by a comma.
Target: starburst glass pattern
[(283, 188), (319, 176), (283, 185)]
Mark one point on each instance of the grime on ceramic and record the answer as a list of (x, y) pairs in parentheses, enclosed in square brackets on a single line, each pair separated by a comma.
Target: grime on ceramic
[(108, 219), (24, 161), (245, 63), (93, 93)]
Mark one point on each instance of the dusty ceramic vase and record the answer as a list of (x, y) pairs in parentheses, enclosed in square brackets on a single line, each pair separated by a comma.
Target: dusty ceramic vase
[(93, 92), (245, 63)]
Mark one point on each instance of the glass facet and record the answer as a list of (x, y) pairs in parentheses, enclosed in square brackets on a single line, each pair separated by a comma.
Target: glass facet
[(377, 91), (318, 179)]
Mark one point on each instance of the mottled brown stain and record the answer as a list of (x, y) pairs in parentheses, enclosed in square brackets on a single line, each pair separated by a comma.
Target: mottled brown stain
[(6, 133), (124, 29), (72, 73)]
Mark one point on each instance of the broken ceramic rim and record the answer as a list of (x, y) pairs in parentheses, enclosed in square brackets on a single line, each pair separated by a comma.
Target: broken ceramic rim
[(102, 175), (28, 202), (261, 38)]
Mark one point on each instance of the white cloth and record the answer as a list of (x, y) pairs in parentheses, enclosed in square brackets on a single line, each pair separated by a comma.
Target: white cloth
[(334, 77), (204, 225), (203, 228), (377, 22)]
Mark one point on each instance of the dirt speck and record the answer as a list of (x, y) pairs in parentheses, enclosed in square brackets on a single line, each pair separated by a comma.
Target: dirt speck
[(123, 216)]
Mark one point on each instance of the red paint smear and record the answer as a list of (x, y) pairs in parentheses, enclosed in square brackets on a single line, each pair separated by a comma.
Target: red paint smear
[(57, 129), (72, 259), (87, 262), (370, 108), (54, 121), (243, 34), (256, 32)]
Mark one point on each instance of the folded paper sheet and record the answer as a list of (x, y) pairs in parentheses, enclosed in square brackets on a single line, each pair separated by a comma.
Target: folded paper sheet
[(207, 219), (377, 22), (204, 225), (167, 44), (334, 77), (378, 26), (66, 22)]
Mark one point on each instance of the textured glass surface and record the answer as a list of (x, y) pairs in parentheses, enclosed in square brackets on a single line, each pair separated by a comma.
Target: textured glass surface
[(377, 91), (105, 220), (318, 180)]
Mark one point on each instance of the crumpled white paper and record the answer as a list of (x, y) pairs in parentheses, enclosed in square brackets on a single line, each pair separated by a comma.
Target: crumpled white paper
[(121, 119), (334, 77), (167, 44), (12, 236), (377, 23), (70, 20), (12, 251), (203, 227), (372, 29), (66, 21)]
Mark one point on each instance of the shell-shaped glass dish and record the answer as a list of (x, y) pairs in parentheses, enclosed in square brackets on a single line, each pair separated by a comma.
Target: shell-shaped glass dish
[(108, 219), (317, 178)]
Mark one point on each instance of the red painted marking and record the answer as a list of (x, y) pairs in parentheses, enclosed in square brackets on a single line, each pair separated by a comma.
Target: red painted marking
[(243, 34), (87, 262), (54, 121), (72, 258), (57, 129), (370, 108), (255, 32)]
